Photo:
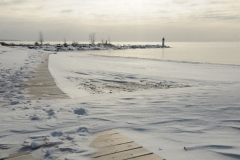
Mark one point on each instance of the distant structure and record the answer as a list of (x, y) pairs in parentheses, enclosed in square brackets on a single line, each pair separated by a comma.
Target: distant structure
[(163, 41)]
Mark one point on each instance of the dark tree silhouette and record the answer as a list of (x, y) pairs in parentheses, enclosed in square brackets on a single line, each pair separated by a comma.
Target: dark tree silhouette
[(92, 38)]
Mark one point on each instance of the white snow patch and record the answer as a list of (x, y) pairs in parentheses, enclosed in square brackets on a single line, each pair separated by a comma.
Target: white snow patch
[(176, 110)]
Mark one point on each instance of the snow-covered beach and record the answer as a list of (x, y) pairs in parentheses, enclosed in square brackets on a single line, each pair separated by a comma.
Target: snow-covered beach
[(162, 105)]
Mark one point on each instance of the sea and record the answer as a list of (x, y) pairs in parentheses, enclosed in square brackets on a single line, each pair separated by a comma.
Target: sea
[(197, 52)]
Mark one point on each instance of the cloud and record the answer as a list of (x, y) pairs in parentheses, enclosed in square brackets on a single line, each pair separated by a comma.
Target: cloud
[(95, 15), (113, 10)]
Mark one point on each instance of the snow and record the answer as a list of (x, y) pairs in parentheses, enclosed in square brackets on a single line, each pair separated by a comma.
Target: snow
[(15, 66), (163, 106), (12, 57)]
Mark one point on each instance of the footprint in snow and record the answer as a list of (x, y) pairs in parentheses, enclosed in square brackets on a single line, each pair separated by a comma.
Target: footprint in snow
[(56, 134), (82, 131), (50, 112), (80, 111), (35, 117)]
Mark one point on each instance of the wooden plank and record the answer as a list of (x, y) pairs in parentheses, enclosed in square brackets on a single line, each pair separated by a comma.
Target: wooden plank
[(116, 149), (111, 142), (148, 157), (16, 155), (107, 137), (42, 83), (114, 146), (26, 157), (125, 155), (105, 133)]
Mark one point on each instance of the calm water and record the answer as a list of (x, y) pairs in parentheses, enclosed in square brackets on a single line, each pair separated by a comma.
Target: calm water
[(204, 52), (211, 52)]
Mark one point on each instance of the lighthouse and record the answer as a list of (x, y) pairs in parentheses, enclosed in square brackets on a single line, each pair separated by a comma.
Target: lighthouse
[(163, 40)]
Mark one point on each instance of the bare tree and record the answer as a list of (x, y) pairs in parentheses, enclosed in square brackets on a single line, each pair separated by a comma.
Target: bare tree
[(65, 42), (92, 37), (41, 38)]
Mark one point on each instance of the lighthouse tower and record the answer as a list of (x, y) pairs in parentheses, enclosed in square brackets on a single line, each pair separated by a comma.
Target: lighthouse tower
[(163, 40)]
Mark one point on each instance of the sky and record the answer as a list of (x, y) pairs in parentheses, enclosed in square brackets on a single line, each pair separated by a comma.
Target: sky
[(121, 20)]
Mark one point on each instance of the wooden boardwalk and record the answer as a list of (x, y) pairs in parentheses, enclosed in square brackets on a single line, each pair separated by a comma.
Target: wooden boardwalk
[(20, 156), (114, 146), (43, 86), (111, 146)]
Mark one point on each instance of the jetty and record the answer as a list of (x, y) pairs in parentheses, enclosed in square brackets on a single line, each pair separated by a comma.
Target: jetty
[(84, 47)]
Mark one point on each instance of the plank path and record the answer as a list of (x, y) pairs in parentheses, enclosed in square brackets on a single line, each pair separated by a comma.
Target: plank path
[(114, 146), (42, 86)]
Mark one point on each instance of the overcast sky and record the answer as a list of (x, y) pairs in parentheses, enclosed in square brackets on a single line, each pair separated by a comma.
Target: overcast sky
[(121, 20)]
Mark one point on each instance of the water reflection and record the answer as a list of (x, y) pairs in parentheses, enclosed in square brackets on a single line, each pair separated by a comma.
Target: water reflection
[(214, 52), (163, 54)]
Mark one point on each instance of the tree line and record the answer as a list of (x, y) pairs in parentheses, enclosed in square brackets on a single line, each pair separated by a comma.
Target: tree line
[(92, 39)]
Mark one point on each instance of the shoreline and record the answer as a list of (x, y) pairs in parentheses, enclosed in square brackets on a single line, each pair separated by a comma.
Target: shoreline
[(166, 60), (180, 54)]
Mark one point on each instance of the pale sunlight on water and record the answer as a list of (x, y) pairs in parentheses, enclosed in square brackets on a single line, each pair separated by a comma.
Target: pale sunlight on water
[(203, 52)]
